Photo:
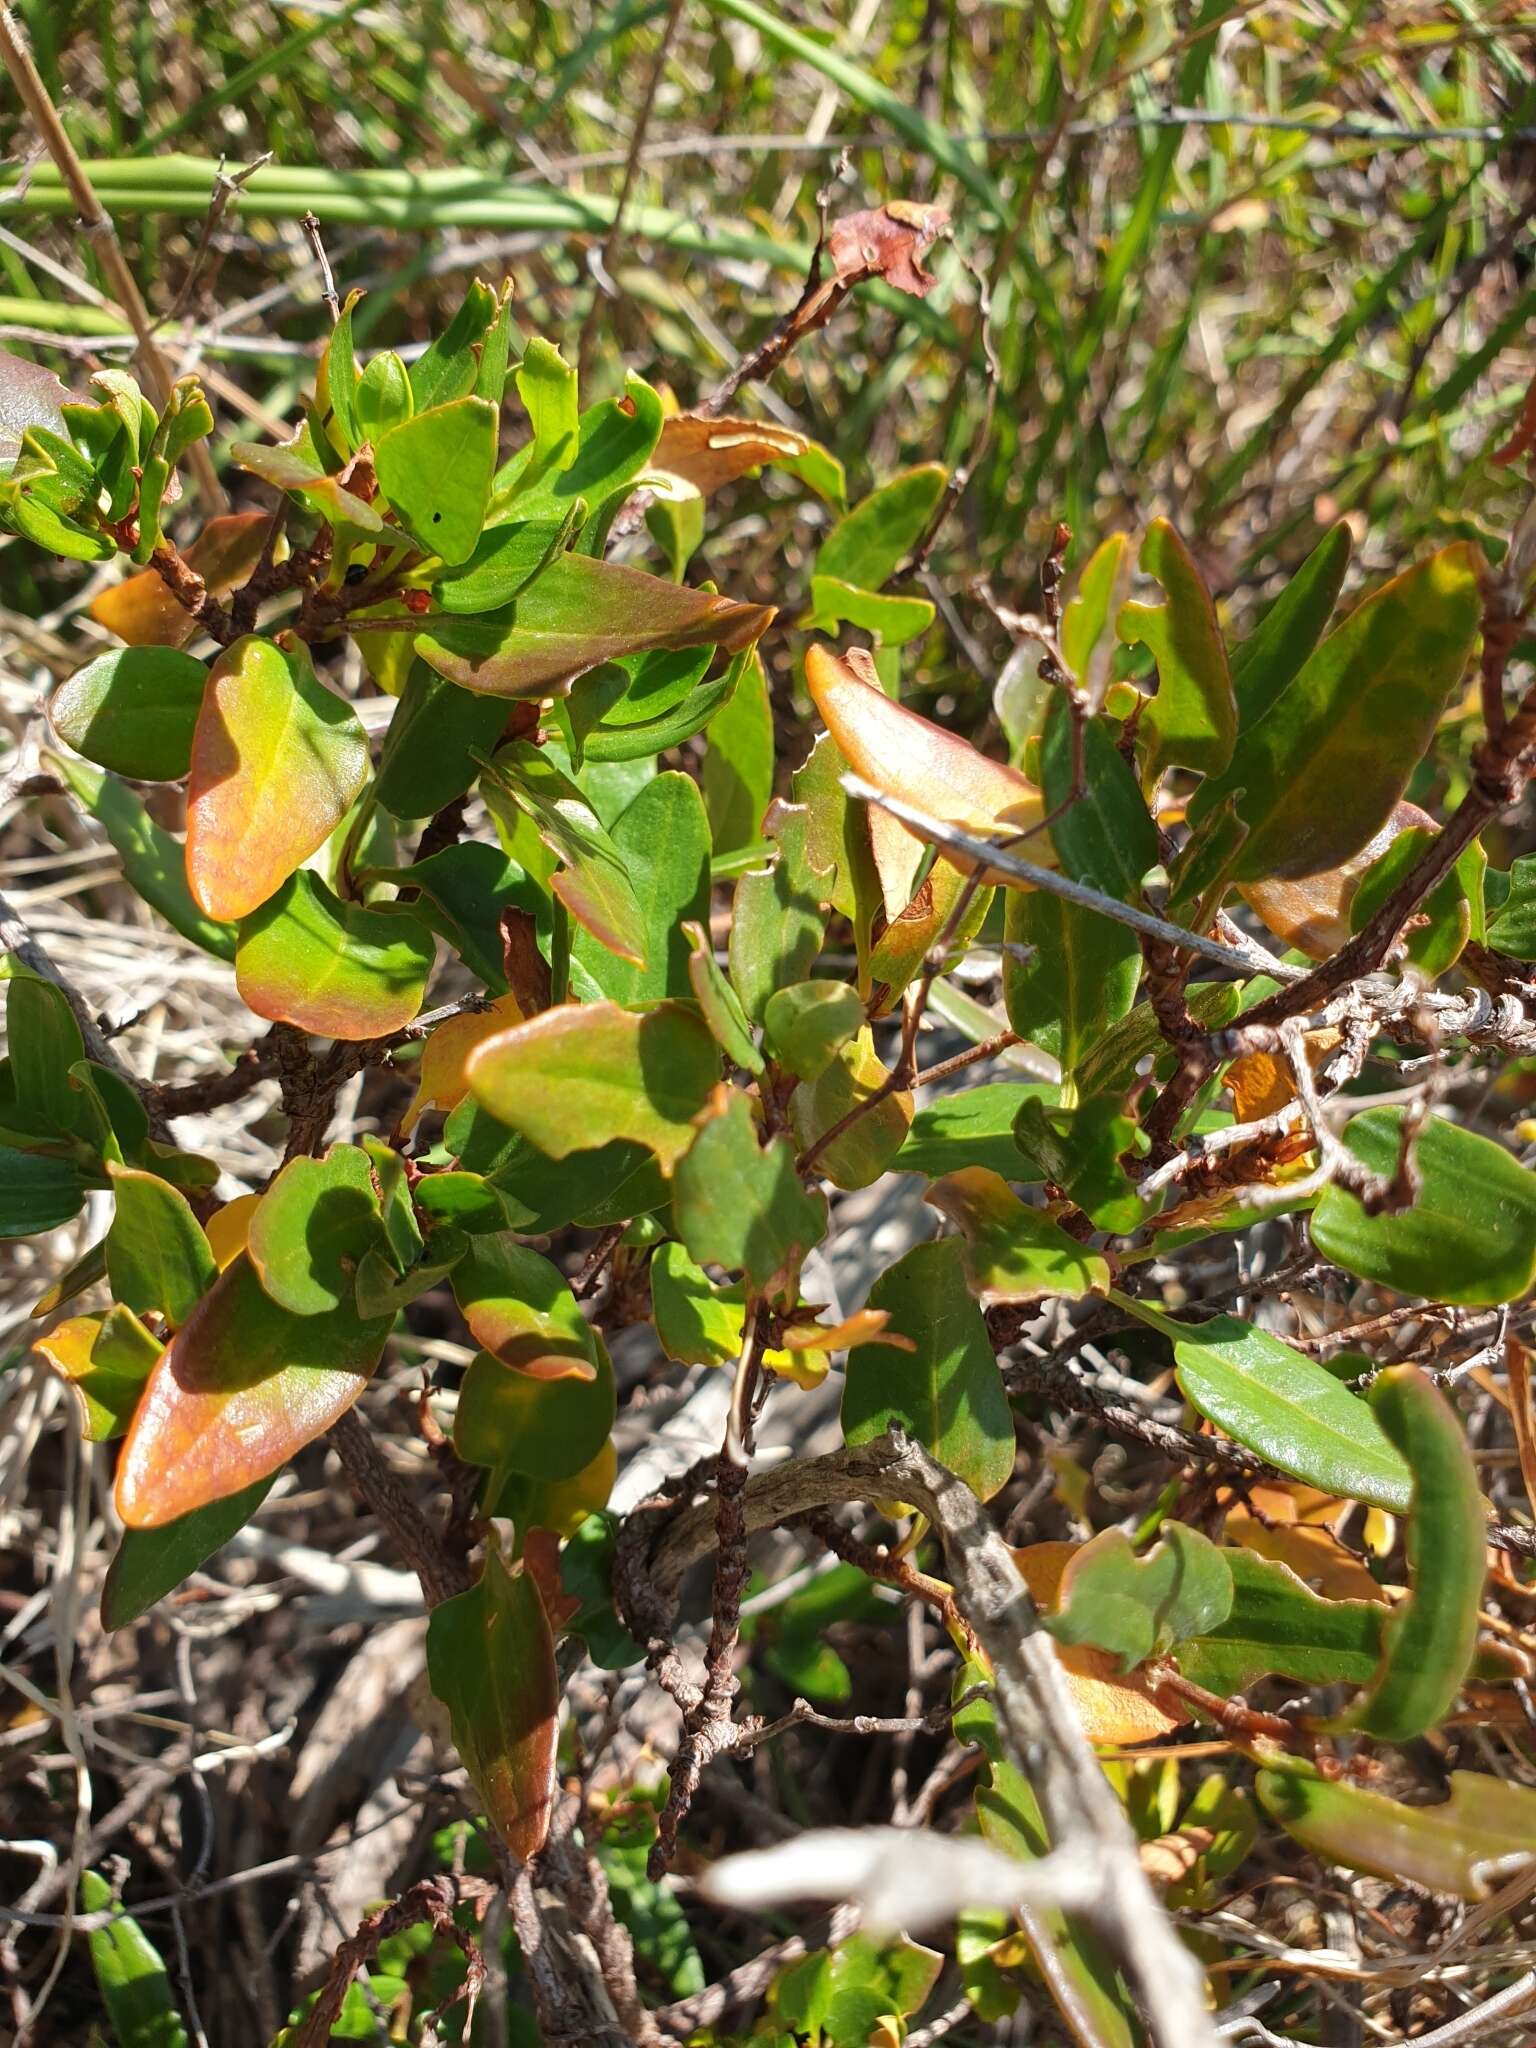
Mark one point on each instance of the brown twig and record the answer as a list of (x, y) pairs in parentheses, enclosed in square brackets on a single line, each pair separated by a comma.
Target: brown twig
[(432, 1899), (441, 1574)]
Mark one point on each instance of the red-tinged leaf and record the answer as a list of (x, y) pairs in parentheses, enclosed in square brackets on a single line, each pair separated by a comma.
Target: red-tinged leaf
[(241, 1387), (106, 1361), (889, 242), (512, 1421), (518, 1306), (491, 1661), (295, 467), (576, 1077), (142, 610), (337, 969), (1312, 912), (30, 396), (577, 614), (276, 761), (157, 1256), (709, 453)]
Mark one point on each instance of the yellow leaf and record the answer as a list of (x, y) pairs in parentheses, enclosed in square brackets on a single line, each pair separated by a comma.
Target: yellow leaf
[(440, 1079), (228, 1228), (1111, 1708)]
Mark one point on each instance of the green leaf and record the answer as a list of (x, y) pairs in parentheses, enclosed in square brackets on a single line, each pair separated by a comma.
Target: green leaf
[(696, 1322), (546, 384), (1086, 618), (1279, 1626), (1443, 922), (1513, 931), (663, 839), (45, 1046), (586, 1572), (1285, 1406), (503, 562), (130, 1974), (1013, 1252), (808, 1023), (868, 544), (435, 469), (947, 1392), (311, 1229), (1322, 768), (154, 862), (149, 1563), (133, 710), (738, 766), (665, 1954), (719, 1002), (512, 1421), (1464, 1845), (577, 614), (1137, 1607), (1081, 1149), (157, 1256), (971, 1128), (276, 762), (780, 912), (382, 1290), (614, 442), (1270, 659), (336, 383), (241, 1387), (106, 1361), (1105, 838), (1192, 720), (519, 1308), (333, 968), (1110, 1066), (465, 892), (593, 882), (892, 620), (37, 1194), (1430, 1640), (491, 1661), (740, 1204), (868, 1147), (430, 750), (383, 396), (576, 1077), (1079, 980), (450, 366), (1470, 1236), (296, 468)]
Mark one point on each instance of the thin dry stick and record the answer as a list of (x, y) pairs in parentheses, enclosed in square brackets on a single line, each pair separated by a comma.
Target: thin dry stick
[(96, 226)]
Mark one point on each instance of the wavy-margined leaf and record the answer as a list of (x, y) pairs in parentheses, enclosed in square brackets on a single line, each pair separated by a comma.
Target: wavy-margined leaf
[(512, 1421), (157, 1255), (577, 614), (149, 1563), (276, 762), (868, 544), (1192, 720), (142, 610), (1285, 1406), (613, 443), (133, 711), (241, 1387), (1467, 1845), (947, 1391), (1470, 1235), (578, 1076), (105, 1360), (491, 1661), (338, 969), (1429, 1641), (435, 469), (662, 836), (739, 1203), (519, 1308), (1321, 769), (1140, 1606), (131, 1976), (1012, 1252), (709, 453), (293, 466), (311, 1229), (154, 860), (1279, 1625)]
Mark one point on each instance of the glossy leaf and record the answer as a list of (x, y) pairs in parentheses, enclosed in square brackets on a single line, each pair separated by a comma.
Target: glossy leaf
[(1270, 658), (276, 762), (891, 621), (740, 1204), (503, 562), (491, 1661), (1140, 1606), (149, 1563), (947, 1392), (779, 913), (1465, 1845), (311, 1229), (1285, 1406), (1429, 1641), (971, 1128), (662, 837), (1111, 1064), (106, 1361), (513, 1421), (614, 443), (1078, 980), (241, 1387), (157, 1256), (1191, 722), (37, 1194), (131, 1976), (1012, 1252), (1322, 768), (1312, 912), (441, 1080), (1086, 618), (696, 1322), (577, 614), (1443, 922), (435, 469), (737, 776), (30, 396), (575, 1078), (1106, 837), (1082, 1150), (1513, 930), (133, 711), (859, 1155), (519, 1308), (593, 882), (808, 1023), (471, 895), (1469, 1237), (1278, 1625), (337, 969), (142, 610), (45, 1046), (868, 544)]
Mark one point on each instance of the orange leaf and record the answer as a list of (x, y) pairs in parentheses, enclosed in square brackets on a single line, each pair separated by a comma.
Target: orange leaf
[(141, 609), (1312, 913), (1111, 1708), (710, 452), (1315, 1555), (441, 1082)]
